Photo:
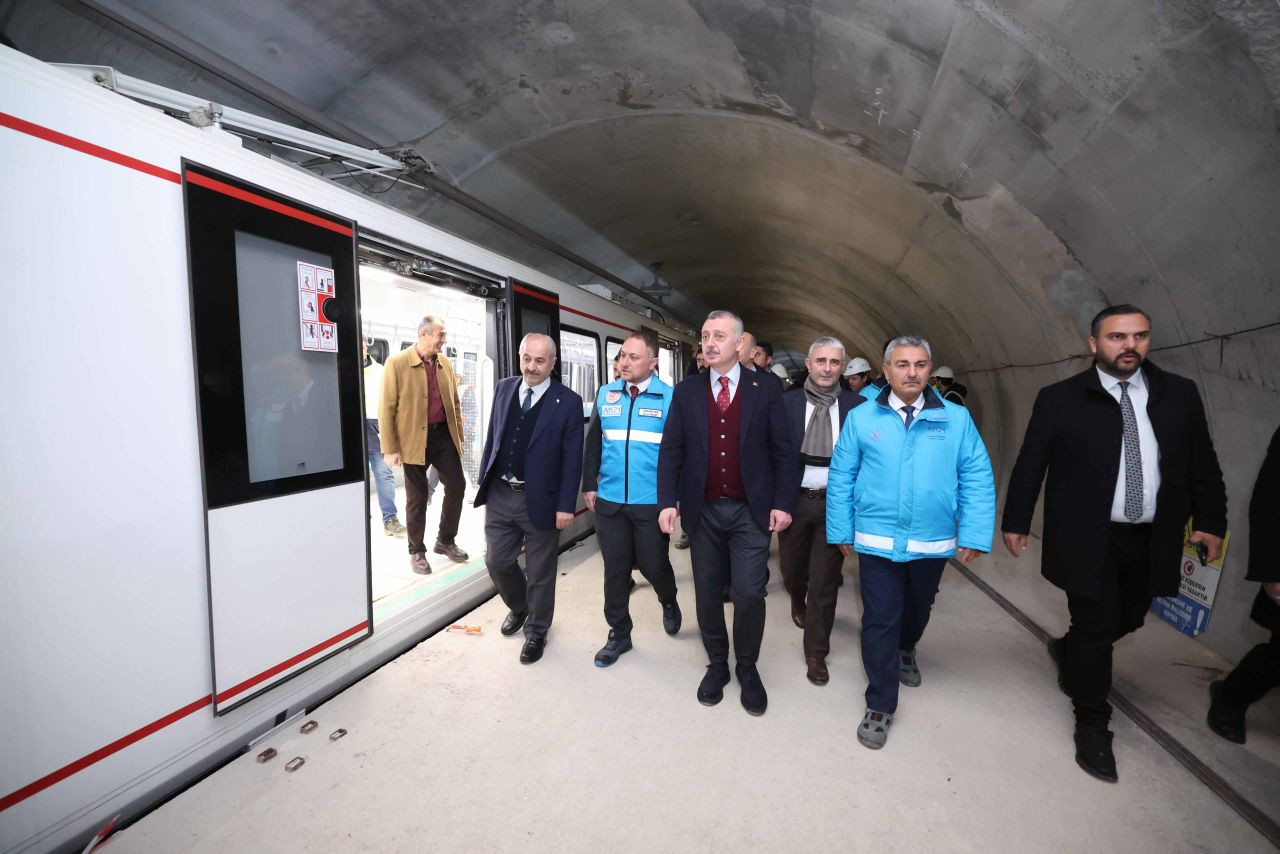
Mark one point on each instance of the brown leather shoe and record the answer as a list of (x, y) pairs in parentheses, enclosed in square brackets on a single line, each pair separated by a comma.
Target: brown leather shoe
[(817, 674), (797, 615), (418, 562), (452, 552)]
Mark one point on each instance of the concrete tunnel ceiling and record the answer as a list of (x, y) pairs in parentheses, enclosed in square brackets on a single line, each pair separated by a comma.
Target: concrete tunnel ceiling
[(988, 173)]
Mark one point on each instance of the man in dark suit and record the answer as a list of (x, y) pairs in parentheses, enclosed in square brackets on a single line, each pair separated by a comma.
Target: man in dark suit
[(811, 566), (728, 462), (1129, 459), (1259, 671), (529, 478)]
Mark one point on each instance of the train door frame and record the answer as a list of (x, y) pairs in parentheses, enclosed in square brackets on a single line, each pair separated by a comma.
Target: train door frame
[(250, 639), (521, 297)]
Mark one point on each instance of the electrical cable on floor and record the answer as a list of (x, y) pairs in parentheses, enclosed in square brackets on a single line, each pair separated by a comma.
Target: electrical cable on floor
[(1245, 808), (1221, 338)]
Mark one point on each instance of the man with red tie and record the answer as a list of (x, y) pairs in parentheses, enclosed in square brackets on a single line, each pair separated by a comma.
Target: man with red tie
[(729, 465)]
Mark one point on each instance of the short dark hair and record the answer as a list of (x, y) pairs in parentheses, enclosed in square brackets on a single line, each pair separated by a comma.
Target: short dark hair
[(766, 347), (648, 338), (1112, 311)]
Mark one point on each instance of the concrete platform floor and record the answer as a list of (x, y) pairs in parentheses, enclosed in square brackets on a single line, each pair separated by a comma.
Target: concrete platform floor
[(457, 746)]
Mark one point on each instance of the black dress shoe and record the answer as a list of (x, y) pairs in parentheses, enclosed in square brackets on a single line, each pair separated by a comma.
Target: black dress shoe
[(532, 650), (711, 691), (816, 670), (754, 698), (671, 617), (1093, 753), (418, 563), (513, 622), (611, 651), (1225, 717), (1056, 652), (452, 552)]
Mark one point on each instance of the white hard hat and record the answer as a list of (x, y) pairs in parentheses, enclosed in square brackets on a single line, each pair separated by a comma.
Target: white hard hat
[(778, 371), (857, 365), (945, 372)]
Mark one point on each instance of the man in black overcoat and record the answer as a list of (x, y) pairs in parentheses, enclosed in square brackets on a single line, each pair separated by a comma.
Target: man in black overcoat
[(1259, 671), (1129, 459)]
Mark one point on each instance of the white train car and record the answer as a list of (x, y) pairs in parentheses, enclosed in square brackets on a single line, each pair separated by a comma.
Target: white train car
[(188, 557)]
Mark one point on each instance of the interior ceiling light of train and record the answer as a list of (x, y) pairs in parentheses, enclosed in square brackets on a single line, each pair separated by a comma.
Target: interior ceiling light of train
[(983, 173)]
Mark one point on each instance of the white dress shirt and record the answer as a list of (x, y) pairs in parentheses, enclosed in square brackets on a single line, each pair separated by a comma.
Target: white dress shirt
[(897, 403), (642, 387), (815, 477), (734, 374), (538, 391), (1147, 445)]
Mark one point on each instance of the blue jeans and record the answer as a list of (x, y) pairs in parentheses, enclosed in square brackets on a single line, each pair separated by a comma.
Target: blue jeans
[(896, 601), (385, 481)]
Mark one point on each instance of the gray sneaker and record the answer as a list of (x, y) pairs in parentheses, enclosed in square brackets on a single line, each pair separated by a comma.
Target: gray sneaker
[(908, 670), (393, 528), (873, 732)]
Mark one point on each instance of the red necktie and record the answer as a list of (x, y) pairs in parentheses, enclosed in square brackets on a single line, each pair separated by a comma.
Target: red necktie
[(634, 391), (722, 399)]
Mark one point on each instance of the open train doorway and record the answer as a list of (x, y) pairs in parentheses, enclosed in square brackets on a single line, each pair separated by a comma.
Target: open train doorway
[(392, 307)]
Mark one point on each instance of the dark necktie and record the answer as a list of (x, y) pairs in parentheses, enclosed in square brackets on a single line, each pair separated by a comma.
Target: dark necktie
[(634, 390), (722, 399), (1132, 458), (528, 400), (910, 417)]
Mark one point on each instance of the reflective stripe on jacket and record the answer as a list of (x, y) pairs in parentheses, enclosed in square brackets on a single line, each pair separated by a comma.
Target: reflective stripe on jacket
[(631, 433), (907, 494)]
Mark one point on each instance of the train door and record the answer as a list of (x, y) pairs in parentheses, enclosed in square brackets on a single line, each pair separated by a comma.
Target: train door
[(273, 294), (530, 309), (391, 309)]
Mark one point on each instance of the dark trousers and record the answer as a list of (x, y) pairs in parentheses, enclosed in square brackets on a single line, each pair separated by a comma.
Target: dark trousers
[(443, 455), (811, 570), (1096, 624), (729, 550), (1256, 674), (627, 532), (506, 528), (896, 601)]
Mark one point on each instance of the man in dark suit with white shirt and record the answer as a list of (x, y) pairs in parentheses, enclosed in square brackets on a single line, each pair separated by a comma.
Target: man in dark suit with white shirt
[(729, 467), (529, 478), (1127, 450), (811, 567)]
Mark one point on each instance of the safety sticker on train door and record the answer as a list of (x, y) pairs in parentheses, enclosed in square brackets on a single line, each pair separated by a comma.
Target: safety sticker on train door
[(315, 289)]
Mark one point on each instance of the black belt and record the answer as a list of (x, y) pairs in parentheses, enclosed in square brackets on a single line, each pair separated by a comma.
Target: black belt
[(1131, 527), (813, 493)]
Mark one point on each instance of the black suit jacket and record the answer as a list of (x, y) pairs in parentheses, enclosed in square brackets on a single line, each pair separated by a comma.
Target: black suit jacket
[(1264, 519), (1075, 434), (794, 401), (768, 453), (553, 462)]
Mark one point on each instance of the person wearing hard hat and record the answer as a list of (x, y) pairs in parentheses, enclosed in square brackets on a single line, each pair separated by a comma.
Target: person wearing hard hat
[(944, 382), (857, 374)]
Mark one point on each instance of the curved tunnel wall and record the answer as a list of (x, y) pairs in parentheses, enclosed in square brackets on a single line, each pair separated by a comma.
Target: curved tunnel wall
[(806, 238)]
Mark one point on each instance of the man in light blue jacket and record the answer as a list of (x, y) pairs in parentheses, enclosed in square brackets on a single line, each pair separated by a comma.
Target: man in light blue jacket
[(910, 485)]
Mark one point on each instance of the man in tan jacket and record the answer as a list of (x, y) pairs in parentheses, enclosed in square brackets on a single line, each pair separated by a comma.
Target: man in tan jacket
[(421, 425)]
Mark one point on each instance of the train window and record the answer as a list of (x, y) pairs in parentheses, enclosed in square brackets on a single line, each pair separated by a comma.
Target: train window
[(611, 348), (580, 364), (667, 364), (405, 345)]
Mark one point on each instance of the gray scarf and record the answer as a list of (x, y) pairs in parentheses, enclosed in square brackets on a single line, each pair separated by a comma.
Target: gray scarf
[(815, 450)]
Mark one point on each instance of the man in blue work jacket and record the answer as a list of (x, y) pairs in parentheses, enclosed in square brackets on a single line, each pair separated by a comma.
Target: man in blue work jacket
[(910, 485), (620, 483)]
